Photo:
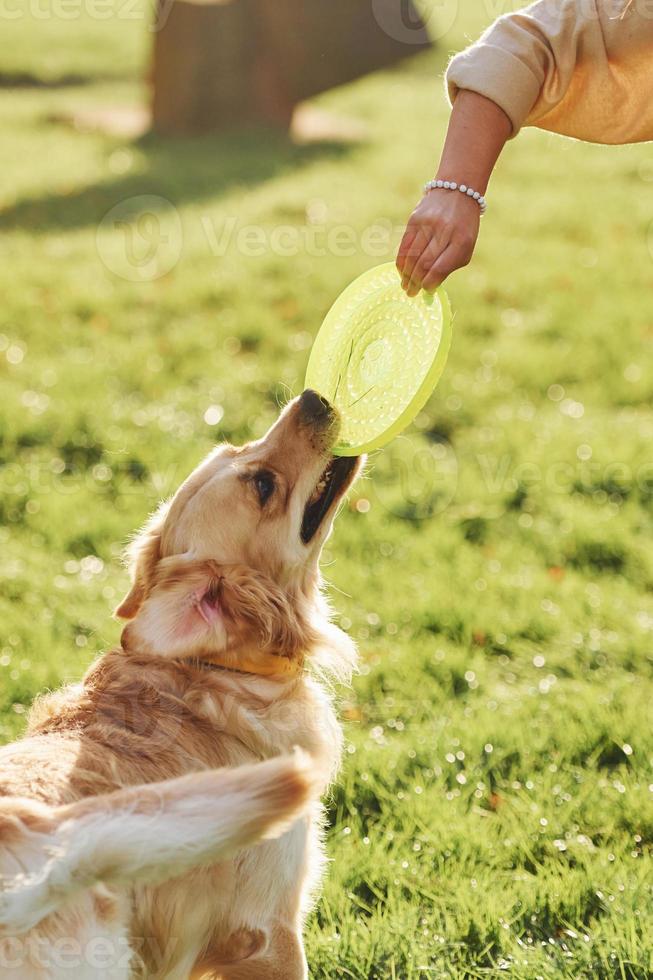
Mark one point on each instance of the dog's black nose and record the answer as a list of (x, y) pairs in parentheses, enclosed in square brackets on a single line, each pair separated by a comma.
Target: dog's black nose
[(315, 409)]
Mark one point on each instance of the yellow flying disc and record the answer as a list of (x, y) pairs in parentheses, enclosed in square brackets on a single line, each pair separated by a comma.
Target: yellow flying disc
[(378, 356)]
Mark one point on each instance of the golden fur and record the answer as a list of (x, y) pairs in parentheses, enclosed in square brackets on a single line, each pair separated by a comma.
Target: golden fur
[(142, 831)]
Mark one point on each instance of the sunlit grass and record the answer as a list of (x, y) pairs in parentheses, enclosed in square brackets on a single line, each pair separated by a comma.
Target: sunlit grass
[(495, 813)]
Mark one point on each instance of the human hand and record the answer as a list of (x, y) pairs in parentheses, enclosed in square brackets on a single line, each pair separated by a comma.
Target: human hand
[(440, 237)]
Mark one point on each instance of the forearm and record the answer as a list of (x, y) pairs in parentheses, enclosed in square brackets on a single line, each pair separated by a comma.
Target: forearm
[(478, 131), (442, 230)]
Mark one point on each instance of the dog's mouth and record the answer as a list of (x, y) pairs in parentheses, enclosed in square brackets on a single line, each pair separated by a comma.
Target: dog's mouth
[(334, 481)]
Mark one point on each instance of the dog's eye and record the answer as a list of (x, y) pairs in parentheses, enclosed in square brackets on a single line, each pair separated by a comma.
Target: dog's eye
[(264, 484)]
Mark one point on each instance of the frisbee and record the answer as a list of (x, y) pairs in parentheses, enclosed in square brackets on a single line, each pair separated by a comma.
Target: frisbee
[(378, 356)]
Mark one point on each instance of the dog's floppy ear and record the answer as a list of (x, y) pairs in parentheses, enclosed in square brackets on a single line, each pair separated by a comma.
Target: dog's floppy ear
[(180, 614), (143, 555), (199, 608)]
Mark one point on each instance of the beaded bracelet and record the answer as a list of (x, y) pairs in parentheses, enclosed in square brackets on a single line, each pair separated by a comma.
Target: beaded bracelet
[(451, 185)]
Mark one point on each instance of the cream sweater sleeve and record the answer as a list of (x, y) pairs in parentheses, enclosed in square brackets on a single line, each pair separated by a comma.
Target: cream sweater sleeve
[(583, 68)]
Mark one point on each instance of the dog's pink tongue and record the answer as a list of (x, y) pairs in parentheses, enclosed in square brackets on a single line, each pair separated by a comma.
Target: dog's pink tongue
[(209, 611)]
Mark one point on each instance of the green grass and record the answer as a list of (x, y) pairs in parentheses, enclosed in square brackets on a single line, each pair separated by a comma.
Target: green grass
[(495, 812)]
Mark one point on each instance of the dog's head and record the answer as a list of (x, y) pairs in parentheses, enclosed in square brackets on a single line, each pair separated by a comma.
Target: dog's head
[(229, 567)]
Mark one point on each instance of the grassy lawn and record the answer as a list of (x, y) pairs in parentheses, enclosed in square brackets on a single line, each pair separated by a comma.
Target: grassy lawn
[(495, 813)]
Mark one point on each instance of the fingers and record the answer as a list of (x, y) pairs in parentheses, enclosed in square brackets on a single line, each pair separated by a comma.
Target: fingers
[(426, 260), (455, 256), (413, 254), (405, 246)]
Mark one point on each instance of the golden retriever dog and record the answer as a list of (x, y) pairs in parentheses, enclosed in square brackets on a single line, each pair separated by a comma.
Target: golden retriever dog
[(162, 818)]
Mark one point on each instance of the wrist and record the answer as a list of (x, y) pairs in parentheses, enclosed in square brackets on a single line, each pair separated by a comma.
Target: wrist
[(451, 186), (462, 175)]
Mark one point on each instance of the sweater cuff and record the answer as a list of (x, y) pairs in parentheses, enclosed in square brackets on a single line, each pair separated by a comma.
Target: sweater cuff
[(499, 76)]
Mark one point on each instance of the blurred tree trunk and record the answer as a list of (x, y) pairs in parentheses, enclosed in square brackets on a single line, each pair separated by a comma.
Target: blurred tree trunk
[(220, 63)]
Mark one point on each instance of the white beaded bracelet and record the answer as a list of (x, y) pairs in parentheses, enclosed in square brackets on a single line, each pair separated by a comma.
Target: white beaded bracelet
[(451, 185)]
